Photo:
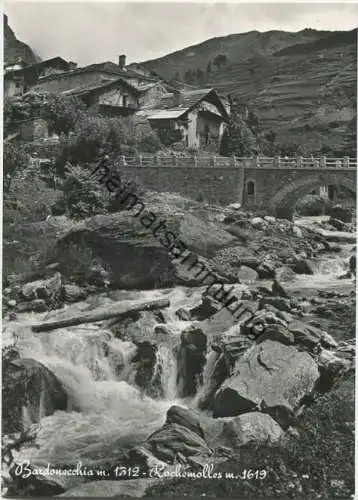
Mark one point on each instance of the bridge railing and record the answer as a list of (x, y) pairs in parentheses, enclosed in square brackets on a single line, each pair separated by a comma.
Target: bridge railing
[(233, 161)]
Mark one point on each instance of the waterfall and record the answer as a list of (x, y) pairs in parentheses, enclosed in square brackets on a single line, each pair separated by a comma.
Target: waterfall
[(165, 372), (104, 406)]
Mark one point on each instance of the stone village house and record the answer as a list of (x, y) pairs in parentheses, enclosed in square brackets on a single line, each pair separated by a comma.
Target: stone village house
[(21, 77), (198, 116), (195, 118)]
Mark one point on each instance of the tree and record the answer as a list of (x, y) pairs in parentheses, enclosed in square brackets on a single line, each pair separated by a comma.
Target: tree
[(238, 139), (62, 112), (269, 144), (253, 121), (220, 60), (15, 161)]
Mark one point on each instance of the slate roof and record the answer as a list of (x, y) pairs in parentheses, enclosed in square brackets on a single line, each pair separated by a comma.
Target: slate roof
[(93, 87), (107, 67), (165, 114), (187, 99), (47, 62), (173, 106)]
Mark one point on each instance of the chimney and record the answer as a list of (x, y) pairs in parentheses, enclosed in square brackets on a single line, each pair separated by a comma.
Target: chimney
[(234, 107), (5, 20), (122, 61), (177, 98)]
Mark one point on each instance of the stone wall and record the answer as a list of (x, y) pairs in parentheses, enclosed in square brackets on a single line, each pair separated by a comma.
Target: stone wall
[(152, 96), (34, 129), (273, 190), (215, 185)]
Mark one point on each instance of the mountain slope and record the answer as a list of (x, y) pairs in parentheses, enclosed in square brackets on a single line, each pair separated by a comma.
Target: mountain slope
[(302, 85), (14, 49)]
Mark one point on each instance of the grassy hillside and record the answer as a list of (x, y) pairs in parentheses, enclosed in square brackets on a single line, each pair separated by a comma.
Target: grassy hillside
[(302, 85)]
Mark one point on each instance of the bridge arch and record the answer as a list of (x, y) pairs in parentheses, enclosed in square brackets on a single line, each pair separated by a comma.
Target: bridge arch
[(282, 203)]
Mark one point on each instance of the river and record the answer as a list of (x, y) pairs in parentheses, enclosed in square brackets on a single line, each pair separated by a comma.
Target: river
[(107, 413)]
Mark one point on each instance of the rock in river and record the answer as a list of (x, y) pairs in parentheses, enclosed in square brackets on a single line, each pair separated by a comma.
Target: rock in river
[(30, 387), (270, 377)]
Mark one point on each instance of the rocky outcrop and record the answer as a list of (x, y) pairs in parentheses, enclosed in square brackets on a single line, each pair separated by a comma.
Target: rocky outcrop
[(30, 391), (270, 377), (14, 49)]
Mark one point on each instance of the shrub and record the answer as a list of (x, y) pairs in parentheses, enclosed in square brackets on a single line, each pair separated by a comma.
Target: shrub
[(83, 195), (25, 208), (15, 161), (29, 200), (141, 136), (95, 135)]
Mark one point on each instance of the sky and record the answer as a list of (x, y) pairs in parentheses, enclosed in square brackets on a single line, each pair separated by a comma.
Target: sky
[(88, 32)]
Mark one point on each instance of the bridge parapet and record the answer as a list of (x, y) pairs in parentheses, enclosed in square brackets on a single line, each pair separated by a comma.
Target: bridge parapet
[(258, 162)]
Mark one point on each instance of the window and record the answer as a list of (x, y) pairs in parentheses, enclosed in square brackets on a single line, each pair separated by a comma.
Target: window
[(250, 187), (125, 101)]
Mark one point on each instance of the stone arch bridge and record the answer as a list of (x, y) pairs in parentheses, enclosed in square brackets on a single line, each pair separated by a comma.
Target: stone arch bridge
[(278, 187), (270, 184)]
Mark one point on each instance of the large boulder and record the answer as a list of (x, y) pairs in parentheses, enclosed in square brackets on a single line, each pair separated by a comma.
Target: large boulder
[(278, 333), (141, 250), (280, 303), (191, 360), (247, 274), (340, 213), (145, 360), (270, 377), (179, 440), (284, 274), (30, 391), (226, 350), (252, 429), (205, 309), (50, 290), (302, 266), (266, 270), (332, 365), (305, 334)]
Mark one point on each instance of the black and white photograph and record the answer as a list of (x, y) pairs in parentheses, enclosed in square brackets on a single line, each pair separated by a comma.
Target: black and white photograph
[(179, 249)]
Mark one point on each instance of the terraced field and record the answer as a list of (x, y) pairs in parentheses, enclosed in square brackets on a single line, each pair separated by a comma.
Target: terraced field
[(302, 85)]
